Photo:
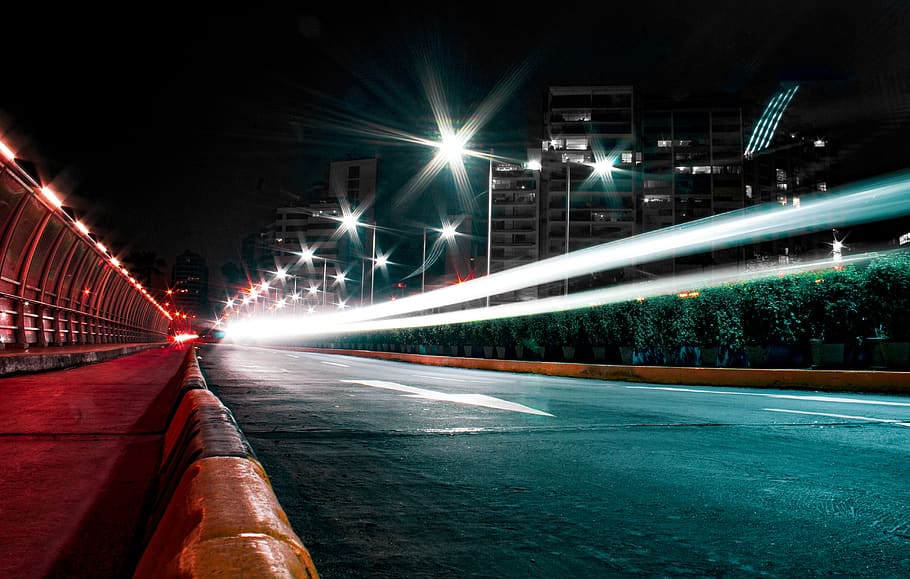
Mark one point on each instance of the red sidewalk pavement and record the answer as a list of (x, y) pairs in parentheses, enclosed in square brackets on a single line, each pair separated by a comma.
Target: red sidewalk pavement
[(79, 448)]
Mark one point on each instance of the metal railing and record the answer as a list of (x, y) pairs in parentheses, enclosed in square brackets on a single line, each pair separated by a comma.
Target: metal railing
[(58, 284)]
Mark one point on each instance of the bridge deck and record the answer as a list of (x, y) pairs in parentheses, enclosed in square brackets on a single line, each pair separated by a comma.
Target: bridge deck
[(79, 449)]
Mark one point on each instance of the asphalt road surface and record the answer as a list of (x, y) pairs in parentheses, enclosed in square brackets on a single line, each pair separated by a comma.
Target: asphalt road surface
[(388, 469)]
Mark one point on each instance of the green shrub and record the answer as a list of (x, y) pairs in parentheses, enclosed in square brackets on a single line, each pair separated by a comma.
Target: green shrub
[(887, 287)]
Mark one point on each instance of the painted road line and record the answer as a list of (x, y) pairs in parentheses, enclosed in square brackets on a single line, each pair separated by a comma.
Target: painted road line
[(336, 364), (470, 399), (844, 416), (435, 377), (830, 399)]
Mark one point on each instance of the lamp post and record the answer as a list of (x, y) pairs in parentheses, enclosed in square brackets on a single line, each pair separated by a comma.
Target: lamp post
[(448, 232), (489, 217), (568, 209), (309, 254), (600, 168)]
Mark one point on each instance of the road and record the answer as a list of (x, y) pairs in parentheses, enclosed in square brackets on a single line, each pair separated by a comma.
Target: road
[(388, 469)]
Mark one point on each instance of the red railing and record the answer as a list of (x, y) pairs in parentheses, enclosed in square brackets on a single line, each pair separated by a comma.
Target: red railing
[(58, 284)]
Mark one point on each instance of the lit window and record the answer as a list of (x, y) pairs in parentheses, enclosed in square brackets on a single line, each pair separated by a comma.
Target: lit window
[(627, 157), (781, 186), (574, 116), (749, 191), (701, 170), (822, 186), (819, 143), (577, 144), (664, 143)]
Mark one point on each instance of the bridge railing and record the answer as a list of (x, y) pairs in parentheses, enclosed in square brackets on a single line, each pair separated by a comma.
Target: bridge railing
[(59, 285)]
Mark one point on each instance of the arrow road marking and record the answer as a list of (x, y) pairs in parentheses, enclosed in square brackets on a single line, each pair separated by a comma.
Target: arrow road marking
[(471, 399)]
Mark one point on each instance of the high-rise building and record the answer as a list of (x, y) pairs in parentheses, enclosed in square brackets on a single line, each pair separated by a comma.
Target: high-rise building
[(190, 284), (691, 168), (788, 159), (588, 190), (514, 223), (317, 260)]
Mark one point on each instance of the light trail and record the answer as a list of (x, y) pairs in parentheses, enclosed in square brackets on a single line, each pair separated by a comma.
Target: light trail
[(872, 200), (332, 324)]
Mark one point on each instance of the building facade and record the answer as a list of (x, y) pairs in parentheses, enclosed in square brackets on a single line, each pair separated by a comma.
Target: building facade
[(581, 206)]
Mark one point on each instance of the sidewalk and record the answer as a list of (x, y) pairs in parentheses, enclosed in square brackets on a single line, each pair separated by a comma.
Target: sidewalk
[(79, 449)]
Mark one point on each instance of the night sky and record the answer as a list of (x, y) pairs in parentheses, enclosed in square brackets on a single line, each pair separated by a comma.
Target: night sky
[(174, 130)]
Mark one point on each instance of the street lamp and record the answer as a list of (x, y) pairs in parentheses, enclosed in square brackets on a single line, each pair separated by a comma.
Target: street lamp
[(309, 255), (448, 232), (380, 261), (350, 223)]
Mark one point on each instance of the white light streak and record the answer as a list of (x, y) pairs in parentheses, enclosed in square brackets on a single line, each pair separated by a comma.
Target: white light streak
[(870, 201)]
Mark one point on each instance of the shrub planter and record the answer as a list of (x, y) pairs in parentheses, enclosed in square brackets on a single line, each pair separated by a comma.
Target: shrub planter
[(709, 356), (896, 355), (875, 354), (832, 356), (625, 355)]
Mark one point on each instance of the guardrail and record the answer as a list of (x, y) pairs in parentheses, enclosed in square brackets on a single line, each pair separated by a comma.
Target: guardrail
[(58, 283), (215, 513)]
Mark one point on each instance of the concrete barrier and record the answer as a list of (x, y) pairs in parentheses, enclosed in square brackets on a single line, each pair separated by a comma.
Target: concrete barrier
[(223, 520), (46, 358), (215, 513)]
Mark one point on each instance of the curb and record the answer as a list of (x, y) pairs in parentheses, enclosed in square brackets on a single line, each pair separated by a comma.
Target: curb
[(215, 513), (40, 360)]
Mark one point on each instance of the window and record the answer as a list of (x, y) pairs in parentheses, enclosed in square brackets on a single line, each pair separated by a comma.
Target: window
[(627, 157), (575, 116), (664, 143), (822, 186), (577, 144)]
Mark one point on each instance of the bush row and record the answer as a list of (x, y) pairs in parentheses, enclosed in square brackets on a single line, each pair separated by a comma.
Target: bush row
[(838, 305)]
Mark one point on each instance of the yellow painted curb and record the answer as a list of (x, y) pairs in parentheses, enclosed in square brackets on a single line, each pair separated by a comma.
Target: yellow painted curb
[(221, 504)]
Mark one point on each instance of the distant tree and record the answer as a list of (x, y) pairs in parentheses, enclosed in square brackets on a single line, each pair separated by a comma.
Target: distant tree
[(144, 266)]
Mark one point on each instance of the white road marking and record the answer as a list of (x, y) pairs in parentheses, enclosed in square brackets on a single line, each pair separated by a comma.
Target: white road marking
[(834, 399), (433, 376), (845, 416), (265, 369), (291, 356), (471, 399), (336, 364)]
